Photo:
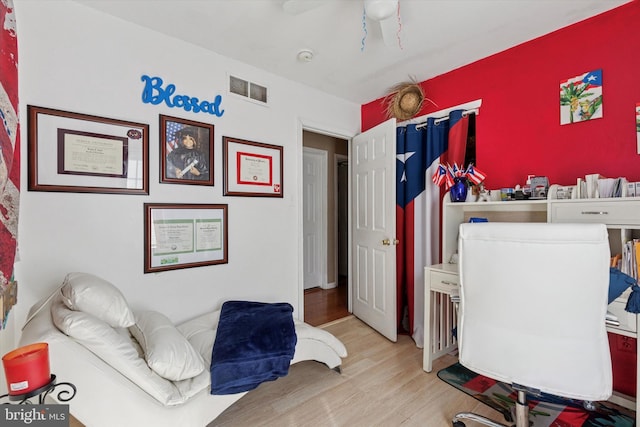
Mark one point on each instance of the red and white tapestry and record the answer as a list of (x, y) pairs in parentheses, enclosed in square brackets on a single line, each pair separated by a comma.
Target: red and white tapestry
[(9, 141)]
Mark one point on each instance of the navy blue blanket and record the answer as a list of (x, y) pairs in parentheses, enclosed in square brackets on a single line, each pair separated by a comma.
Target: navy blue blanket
[(620, 282), (255, 342)]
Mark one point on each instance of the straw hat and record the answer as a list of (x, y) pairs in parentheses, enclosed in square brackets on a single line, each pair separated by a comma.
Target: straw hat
[(405, 100)]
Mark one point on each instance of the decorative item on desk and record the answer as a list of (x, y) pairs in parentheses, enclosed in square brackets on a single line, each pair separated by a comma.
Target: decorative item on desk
[(456, 179), (481, 193), (478, 219), (520, 194), (458, 190), (539, 187), (563, 192), (506, 194)]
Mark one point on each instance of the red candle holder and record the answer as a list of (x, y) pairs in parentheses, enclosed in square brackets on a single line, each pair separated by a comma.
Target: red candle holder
[(27, 368)]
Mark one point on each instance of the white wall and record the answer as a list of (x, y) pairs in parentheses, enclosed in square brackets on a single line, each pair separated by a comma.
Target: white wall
[(76, 59)]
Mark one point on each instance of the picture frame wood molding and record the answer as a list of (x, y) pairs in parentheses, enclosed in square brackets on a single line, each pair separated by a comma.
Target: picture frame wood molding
[(184, 235), (186, 151), (251, 168), (82, 153)]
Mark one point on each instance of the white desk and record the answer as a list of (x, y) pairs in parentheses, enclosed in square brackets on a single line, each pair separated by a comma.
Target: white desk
[(441, 282), (621, 216)]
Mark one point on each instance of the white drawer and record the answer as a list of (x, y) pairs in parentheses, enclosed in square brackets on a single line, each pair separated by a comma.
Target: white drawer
[(615, 212), (443, 282), (627, 320)]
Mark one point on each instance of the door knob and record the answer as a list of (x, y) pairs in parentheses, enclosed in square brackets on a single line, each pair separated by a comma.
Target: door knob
[(387, 242)]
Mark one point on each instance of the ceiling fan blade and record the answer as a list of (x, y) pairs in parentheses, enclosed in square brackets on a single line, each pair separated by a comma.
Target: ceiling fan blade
[(296, 7), (377, 10), (389, 28)]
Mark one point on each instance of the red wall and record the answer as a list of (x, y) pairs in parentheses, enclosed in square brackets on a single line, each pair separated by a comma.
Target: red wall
[(518, 128)]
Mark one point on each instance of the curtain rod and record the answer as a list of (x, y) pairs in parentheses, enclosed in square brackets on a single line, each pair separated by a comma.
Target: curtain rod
[(442, 119)]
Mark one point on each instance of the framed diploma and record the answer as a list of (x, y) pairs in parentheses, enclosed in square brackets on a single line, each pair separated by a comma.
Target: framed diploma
[(73, 152), (184, 235), (186, 149), (251, 168)]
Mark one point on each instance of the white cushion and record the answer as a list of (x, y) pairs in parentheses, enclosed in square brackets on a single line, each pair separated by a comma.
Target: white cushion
[(542, 327), (117, 349), (201, 334), (166, 350), (91, 294)]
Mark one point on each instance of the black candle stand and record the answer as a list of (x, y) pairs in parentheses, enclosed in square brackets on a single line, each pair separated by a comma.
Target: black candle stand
[(63, 395)]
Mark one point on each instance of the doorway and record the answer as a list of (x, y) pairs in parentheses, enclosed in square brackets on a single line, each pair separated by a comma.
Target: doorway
[(326, 300)]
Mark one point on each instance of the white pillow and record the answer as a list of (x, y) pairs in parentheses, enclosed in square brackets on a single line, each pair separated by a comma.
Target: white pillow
[(116, 348), (91, 294), (167, 351)]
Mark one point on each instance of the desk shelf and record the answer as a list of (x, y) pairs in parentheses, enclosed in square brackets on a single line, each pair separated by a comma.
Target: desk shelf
[(454, 214)]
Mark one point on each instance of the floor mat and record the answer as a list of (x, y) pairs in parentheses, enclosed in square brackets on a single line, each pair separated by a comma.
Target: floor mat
[(547, 411)]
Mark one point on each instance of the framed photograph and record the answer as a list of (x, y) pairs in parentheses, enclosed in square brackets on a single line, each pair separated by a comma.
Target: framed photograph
[(80, 153), (251, 168), (186, 149), (184, 235)]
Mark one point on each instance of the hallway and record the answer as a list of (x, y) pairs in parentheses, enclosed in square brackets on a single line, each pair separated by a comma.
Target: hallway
[(325, 305)]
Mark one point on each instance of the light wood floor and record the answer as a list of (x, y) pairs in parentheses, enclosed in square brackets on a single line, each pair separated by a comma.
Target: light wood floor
[(382, 384)]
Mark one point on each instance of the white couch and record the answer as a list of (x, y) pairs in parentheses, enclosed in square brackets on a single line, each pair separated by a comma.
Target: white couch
[(163, 382)]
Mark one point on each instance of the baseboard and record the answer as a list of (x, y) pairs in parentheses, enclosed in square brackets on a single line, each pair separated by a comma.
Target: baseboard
[(333, 322), (330, 285)]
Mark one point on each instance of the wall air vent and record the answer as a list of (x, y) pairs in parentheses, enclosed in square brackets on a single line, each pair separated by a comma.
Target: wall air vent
[(248, 89)]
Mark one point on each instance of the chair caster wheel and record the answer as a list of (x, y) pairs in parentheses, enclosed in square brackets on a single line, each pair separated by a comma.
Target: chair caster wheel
[(458, 424)]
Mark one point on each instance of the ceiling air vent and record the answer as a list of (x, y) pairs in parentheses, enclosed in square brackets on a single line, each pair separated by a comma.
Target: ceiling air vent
[(248, 89)]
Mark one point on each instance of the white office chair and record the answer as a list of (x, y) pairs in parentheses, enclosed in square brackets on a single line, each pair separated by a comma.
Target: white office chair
[(533, 300)]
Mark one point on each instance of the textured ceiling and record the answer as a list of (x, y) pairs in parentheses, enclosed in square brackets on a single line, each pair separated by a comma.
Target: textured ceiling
[(435, 36)]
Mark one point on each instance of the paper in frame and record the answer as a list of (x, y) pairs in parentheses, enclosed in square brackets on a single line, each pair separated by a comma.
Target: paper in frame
[(184, 235), (252, 168), (81, 153), (186, 151)]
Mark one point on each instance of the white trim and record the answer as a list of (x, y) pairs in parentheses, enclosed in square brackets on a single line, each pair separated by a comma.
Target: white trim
[(324, 129), (473, 105)]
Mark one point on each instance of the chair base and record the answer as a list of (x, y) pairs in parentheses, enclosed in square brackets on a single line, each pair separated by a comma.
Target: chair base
[(522, 415), (477, 418)]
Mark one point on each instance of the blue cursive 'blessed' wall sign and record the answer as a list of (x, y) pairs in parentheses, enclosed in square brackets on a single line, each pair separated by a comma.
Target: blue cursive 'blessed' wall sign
[(153, 93)]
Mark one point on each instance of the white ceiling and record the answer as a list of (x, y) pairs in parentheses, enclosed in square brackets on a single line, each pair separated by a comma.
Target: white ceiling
[(436, 36)]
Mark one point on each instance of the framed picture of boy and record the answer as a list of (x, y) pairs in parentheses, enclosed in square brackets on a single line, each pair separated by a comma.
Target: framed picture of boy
[(186, 149)]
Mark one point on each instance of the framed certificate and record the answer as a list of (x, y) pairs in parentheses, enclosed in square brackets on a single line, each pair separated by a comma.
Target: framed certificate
[(73, 152), (184, 235), (251, 168)]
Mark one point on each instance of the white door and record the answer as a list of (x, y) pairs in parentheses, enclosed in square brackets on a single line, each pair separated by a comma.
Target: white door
[(314, 166), (373, 256)]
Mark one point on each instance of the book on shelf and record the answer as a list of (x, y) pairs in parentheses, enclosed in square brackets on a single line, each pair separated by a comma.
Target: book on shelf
[(596, 186), (630, 259)]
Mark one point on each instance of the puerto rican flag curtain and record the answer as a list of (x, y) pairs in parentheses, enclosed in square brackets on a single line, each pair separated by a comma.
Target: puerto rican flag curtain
[(420, 149), (9, 141)]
